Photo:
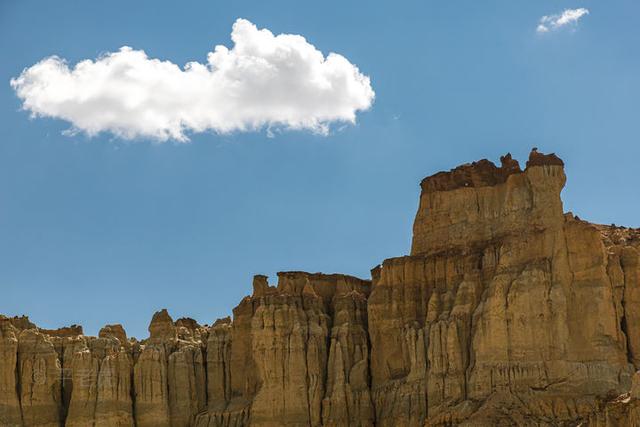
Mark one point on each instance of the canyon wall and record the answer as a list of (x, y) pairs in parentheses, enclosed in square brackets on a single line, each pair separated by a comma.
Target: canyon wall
[(507, 311)]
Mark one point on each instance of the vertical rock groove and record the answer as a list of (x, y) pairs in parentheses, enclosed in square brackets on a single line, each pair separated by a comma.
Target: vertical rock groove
[(507, 311)]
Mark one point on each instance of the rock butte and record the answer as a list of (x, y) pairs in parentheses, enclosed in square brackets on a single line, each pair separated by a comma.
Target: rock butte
[(508, 311)]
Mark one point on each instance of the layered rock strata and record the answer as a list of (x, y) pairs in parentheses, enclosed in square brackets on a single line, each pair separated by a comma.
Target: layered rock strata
[(507, 311)]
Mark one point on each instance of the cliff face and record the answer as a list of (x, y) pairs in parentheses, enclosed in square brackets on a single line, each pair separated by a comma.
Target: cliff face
[(507, 312), (507, 309)]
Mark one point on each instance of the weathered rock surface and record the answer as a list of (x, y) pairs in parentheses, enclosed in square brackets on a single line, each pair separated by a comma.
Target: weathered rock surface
[(507, 311)]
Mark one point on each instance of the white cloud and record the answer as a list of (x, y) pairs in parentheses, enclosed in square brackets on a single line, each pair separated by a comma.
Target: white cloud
[(263, 81), (555, 22)]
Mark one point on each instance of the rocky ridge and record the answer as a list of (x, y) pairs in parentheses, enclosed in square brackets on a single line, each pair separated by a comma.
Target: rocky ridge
[(507, 311)]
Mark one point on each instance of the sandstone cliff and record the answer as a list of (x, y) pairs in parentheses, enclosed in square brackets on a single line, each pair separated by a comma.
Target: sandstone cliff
[(507, 311)]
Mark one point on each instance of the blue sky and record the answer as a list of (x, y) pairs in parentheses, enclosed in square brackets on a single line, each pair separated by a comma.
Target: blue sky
[(97, 230)]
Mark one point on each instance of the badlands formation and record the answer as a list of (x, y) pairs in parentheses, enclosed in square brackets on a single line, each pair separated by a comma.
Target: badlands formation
[(507, 312)]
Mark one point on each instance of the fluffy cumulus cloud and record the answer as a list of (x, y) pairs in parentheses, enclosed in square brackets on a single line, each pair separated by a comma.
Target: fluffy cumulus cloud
[(555, 22), (263, 81)]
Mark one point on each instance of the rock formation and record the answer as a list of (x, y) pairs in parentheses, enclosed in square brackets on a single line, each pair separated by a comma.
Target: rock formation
[(507, 311)]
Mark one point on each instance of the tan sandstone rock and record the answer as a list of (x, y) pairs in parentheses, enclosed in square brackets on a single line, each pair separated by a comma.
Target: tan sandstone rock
[(507, 311), (10, 413)]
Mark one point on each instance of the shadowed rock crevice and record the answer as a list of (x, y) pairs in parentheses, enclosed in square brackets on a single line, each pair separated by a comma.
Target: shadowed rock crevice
[(507, 311)]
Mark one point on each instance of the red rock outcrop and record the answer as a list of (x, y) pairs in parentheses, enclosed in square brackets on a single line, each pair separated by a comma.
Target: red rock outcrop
[(506, 312)]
